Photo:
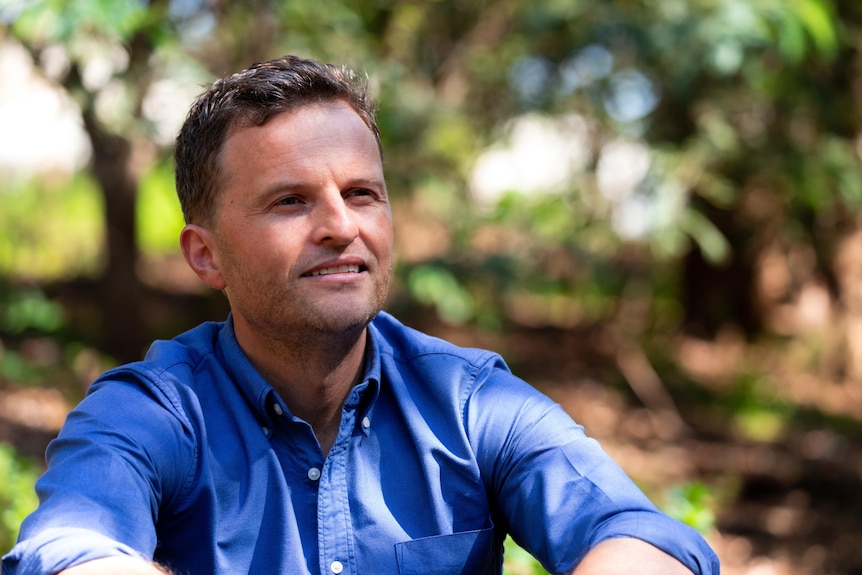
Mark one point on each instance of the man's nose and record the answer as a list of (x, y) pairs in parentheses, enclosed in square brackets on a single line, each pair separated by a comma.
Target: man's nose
[(335, 221)]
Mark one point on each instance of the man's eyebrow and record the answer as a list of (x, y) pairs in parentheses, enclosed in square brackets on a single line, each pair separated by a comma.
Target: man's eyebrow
[(297, 186), (283, 187), (370, 182)]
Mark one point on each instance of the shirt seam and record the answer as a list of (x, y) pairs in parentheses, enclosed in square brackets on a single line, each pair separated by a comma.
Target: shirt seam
[(157, 378)]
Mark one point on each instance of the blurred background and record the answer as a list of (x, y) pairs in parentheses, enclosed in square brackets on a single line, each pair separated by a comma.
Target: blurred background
[(649, 207)]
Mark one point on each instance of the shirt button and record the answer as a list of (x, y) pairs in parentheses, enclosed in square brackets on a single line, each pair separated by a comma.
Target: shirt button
[(336, 567), (314, 475), (366, 423), (277, 409), (265, 431)]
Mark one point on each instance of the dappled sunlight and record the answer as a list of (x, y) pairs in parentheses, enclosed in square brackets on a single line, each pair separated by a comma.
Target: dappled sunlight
[(41, 124)]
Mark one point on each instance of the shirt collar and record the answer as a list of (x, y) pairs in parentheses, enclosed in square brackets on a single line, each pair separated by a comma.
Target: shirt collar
[(262, 397)]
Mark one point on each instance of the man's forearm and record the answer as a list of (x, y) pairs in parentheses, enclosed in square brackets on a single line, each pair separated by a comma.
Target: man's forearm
[(119, 565), (625, 556)]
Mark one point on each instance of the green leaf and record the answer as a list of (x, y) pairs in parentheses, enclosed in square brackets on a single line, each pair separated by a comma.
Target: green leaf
[(791, 36), (818, 20), (692, 503), (435, 285), (61, 20), (715, 247)]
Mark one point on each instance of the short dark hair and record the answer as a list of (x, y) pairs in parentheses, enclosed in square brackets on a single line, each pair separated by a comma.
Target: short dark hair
[(252, 97)]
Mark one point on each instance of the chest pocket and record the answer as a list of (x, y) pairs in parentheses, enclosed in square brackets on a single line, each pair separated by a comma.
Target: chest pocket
[(466, 553)]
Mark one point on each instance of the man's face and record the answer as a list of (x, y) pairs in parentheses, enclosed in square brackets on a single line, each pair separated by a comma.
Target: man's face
[(302, 237)]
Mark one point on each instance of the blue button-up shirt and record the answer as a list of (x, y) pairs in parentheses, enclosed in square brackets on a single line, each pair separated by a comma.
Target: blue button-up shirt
[(192, 459)]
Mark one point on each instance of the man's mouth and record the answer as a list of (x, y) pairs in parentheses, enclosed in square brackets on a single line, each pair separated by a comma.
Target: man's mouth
[(344, 269)]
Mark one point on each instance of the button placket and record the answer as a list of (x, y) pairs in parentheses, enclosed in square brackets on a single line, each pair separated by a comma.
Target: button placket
[(335, 529)]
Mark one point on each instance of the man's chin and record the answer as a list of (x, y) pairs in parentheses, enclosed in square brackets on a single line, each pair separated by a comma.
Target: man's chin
[(345, 321)]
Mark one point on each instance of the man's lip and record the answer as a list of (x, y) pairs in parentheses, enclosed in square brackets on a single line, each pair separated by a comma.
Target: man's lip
[(336, 268)]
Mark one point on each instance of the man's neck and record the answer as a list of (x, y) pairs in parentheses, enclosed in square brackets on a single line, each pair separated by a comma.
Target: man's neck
[(313, 375)]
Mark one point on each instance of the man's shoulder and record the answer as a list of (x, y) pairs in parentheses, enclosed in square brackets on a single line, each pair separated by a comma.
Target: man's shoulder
[(174, 359), (189, 347), (406, 343)]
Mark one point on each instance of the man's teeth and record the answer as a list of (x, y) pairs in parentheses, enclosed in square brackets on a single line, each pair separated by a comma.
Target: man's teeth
[(353, 269)]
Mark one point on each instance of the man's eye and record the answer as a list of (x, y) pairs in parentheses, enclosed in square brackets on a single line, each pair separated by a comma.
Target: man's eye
[(288, 201), (361, 192)]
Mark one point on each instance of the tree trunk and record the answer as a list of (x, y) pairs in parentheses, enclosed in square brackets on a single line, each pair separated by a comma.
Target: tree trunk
[(123, 326)]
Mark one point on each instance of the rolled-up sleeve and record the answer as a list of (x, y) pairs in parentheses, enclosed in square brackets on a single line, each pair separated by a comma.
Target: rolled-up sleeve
[(55, 549), (560, 493), (122, 451)]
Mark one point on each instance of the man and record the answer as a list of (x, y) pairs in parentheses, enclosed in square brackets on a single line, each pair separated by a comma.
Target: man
[(311, 432)]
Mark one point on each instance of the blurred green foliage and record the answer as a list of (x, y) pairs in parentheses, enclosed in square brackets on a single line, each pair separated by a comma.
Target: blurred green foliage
[(436, 285), (29, 309), (519, 562), (17, 497), (66, 20), (649, 157), (692, 503), (52, 227), (722, 100), (157, 202), (24, 311)]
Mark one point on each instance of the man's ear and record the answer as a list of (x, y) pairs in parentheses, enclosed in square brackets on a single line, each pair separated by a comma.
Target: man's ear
[(199, 250)]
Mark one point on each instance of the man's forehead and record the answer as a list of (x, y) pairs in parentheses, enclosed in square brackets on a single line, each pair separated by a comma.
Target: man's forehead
[(300, 143)]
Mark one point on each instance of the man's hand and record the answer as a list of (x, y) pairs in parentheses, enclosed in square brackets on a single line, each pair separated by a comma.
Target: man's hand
[(625, 556), (119, 565)]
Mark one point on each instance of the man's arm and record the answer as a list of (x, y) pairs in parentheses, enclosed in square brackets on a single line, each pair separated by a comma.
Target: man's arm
[(118, 565), (624, 556)]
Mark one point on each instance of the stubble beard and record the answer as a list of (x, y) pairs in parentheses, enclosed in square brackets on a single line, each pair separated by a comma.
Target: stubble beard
[(298, 323)]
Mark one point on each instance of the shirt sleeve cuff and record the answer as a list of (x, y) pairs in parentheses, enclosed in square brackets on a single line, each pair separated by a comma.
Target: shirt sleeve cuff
[(671, 536), (56, 549)]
